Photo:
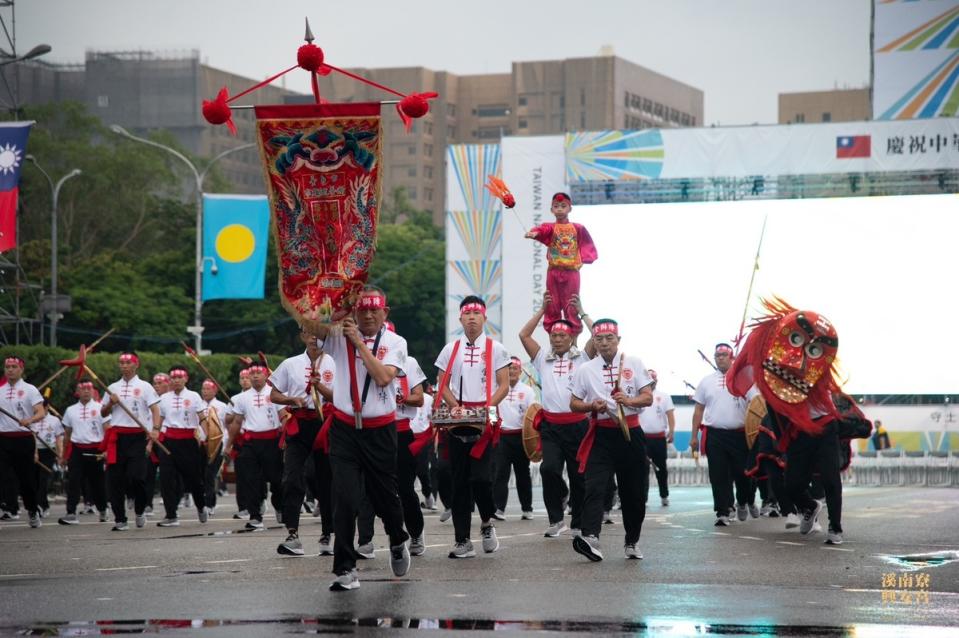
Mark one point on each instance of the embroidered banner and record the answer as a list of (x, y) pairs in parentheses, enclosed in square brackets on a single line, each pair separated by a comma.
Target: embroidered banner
[(322, 166)]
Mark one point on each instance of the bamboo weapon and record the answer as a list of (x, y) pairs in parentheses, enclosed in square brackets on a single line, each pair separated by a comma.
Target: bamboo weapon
[(63, 369), (752, 278), (193, 355), (621, 414)]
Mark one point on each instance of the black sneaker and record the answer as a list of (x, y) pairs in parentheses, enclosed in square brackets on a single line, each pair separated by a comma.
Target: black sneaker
[(346, 582), (589, 547), (291, 546), (400, 559), (253, 525), (120, 526)]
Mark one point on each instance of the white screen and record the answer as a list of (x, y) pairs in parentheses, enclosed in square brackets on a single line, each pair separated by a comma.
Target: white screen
[(882, 269)]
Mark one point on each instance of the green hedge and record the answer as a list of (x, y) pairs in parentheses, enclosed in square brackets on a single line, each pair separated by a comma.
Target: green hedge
[(43, 361)]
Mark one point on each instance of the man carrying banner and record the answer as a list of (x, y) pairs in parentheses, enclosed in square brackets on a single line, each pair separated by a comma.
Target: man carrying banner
[(83, 440), (126, 440), (361, 431), (561, 430), (613, 387), (299, 383), (18, 446)]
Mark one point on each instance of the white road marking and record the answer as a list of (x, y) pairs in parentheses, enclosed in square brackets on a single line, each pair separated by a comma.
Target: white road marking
[(116, 569), (16, 575), (231, 560), (791, 543), (752, 538), (837, 549)]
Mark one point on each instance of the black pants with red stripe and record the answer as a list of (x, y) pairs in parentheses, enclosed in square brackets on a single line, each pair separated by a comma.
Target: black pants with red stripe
[(472, 483), (82, 468), (185, 461), (16, 457), (510, 455), (726, 453), (363, 457), (656, 448), (127, 476), (560, 444), (260, 464), (613, 455)]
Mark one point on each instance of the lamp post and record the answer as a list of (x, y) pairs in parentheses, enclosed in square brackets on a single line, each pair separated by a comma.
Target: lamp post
[(35, 52), (197, 328), (55, 190)]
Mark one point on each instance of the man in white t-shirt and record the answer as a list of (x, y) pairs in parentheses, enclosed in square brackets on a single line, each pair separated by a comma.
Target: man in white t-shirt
[(721, 416), (659, 426), (232, 447), (299, 383), (612, 387), (126, 440), (510, 454), (84, 427), (18, 448), (474, 372), (181, 416), (50, 431), (211, 469), (361, 431), (561, 431)]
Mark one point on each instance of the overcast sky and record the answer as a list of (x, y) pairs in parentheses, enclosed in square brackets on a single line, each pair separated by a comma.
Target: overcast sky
[(740, 53)]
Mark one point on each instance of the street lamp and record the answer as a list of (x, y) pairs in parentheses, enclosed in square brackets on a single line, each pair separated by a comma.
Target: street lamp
[(55, 189), (197, 328), (35, 52)]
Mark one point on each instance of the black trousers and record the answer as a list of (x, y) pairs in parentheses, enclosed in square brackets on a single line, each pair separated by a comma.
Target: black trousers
[(424, 471), (656, 449), (613, 455), (259, 464), (809, 454), (299, 450), (127, 476), (357, 458), (82, 469), (726, 451), (472, 483), (184, 462), (211, 475), (441, 472), (49, 459), (150, 478), (560, 444), (510, 455), (16, 457)]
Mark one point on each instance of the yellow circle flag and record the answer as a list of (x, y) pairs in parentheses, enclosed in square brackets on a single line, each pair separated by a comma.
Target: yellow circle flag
[(235, 243)]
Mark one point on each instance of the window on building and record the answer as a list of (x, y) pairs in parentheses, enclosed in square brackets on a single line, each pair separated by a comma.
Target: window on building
[(428, 172), (451, 109), (582, 121), (492, 110), (428, 194), (684, 119), (103, 101), (428, 128), (450, 131), (411, 171), (522, 101), (658, 110), (647, 105), (523, 124), (411, 150), (428, 150), (626, 99), (800, 118), (490, 132), (411, 191), (673, 115), (562, 101), (827, 117)]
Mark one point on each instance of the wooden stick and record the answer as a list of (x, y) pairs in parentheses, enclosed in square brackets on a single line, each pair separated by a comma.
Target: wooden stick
[(622, 414), (13, 418), (196, 358), (123, 406), (63, 369)]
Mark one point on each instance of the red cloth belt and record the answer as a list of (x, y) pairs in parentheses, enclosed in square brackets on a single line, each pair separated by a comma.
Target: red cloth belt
[(562, 418), (654, 435), (237, 444), (322, 441), (16, 435), (508, 432), (178, 434), (582, 455), (111, 436), (86, 446), (403, 425), (92, 447), (266, 434), (305, 413)]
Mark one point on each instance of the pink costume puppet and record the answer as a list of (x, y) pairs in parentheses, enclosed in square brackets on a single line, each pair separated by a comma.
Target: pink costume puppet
[(570, 246)]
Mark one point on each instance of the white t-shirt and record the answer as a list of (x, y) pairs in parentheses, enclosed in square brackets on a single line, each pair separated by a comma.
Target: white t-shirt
[(138, 396), (555, 374), (19, 399), (722, 410), (414, 377), (513, 408), (468, 374), (380, 401), (596, 380), (293, 376), (181, 411), (85, 422), (258, 412), (421, 422), (230, 406), (653, 419), (48, 430), (221, 411)]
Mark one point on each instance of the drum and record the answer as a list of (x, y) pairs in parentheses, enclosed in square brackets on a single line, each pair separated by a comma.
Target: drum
[(214, 434), (531, 434), (755, 413), (469, 422)]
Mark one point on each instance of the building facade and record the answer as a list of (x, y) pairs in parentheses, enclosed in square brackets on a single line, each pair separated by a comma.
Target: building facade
[(840, 105)]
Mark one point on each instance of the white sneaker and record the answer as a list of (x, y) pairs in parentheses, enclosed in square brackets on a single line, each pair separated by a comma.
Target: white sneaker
[(490, 542), (753, 510), (608, 518), (446, 515), (202, 515), (555, 529), (345, 582), (169, 522), (721, 521), (241, 515), (140, 521), (742, 513), (400, 559), (326, 547), (499, 515), (589, 547), (417, 546), (367, 551), (809, 519), (792, 521), (69, 519), (291, 546), (632, 552), (664, 501), (833, 537), (253, 525), (35, 521), (463, 550), (527, 516)]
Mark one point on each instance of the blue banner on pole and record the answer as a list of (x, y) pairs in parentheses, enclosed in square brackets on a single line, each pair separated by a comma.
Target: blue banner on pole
[(235, 235)]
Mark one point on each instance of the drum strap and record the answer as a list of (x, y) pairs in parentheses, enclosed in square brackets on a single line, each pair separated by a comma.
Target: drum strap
[(444, 383)]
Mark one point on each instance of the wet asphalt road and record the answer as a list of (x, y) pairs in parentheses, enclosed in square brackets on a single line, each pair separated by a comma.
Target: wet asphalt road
[(754, 578)]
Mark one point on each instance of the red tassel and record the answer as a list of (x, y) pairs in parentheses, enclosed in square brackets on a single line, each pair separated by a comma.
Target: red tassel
[(217, 111), (310, 57), (413, 106)]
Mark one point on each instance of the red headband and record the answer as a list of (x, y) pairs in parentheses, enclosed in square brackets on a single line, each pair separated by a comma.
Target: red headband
[(371, 302), (207, 383), (560, 327), (605, 328), (517, 361), (244, 374), (724, 350), (257, 368), (161, 378), (473, 307), (85, 385), (179, 374), (14, 361), (562, 197), (129, 358)]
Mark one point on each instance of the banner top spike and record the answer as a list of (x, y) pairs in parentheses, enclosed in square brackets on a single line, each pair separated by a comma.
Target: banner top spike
[(309, 34)]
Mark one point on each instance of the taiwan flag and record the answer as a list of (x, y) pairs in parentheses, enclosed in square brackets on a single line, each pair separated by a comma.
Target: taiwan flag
[(853, 146), (13, 150)]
